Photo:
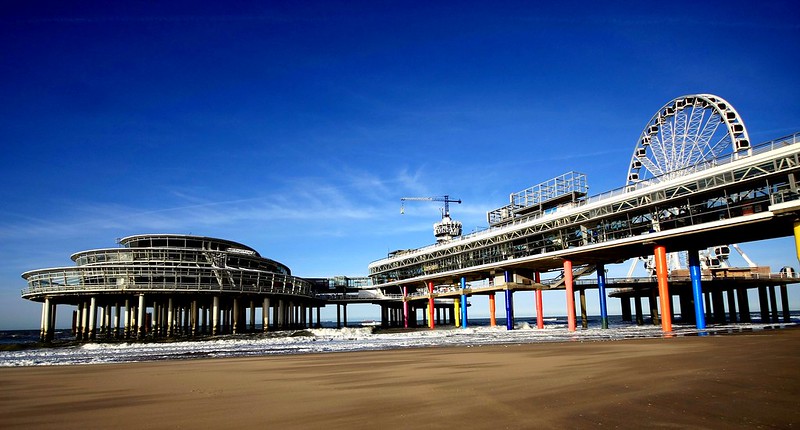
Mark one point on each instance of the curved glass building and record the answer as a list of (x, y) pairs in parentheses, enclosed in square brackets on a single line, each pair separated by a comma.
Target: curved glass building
[(165, 285)]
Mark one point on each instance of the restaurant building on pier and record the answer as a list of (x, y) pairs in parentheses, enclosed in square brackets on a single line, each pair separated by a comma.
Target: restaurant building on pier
[(165, 285)]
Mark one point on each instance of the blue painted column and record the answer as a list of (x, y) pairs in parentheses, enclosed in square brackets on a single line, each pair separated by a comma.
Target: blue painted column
[(509, 304), (601, 285), (697, 291), (463, 303)]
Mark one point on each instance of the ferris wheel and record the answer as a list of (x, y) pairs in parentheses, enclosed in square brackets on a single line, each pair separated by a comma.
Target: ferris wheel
[(684, 134)]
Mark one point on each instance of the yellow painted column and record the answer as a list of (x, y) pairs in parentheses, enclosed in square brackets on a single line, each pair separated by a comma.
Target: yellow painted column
[(457, 312), (797, 238)]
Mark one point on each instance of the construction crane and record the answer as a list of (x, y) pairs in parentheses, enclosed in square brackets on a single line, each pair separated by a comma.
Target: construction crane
[(446, 199), (446, 229)]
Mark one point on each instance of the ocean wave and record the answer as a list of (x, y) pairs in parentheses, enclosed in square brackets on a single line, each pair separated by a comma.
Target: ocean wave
[(326, 340)]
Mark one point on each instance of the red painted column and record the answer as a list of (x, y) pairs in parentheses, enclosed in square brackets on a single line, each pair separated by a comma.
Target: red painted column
[(431, 309), (492, 319), (539, 308), (570, 295), (663, 288)]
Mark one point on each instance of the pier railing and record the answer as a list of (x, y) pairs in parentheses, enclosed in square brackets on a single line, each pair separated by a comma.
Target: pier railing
[(719, 161), (136, 279)]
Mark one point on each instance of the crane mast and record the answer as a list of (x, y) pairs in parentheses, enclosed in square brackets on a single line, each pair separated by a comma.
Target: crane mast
[(446, 229)]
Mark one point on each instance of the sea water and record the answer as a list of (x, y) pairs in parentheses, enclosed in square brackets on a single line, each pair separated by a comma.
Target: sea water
[(324, 340)]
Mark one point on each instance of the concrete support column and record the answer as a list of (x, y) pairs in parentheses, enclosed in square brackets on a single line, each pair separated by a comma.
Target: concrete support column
[(654, 307), (252, 316), (276, 310), (235, 317), (107, 320), (784, 304), (773, 301), (584, 316), (78, 325), (117, 319), (338, 316), (731, 306), (156, 320), (195, 319), (164, 316), (344, 313), (127, 323), (601, 286), (51, 333), (140, 319), (662, 275), (570, 295), (85, 321), (46, 319), (763, 303), (625, 308), (719, 306), (265, 315), (215, 316), (319, 316), (687, 307), (75, 316), (170, 318), (744, 305), (92, 332), (204, 310), (637, 302)]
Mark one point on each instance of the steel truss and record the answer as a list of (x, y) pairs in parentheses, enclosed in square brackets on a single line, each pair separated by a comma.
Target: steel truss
[(733, 188)]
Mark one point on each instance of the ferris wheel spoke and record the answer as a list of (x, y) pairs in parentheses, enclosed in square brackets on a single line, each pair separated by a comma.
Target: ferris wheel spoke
[(684, 133)]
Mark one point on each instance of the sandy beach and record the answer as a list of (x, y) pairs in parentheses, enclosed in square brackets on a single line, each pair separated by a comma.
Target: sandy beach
[(743, 380)]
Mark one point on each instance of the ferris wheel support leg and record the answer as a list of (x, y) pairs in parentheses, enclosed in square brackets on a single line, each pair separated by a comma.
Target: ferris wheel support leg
[(663, 288), (570, 295), (697, 289), (601, 286)]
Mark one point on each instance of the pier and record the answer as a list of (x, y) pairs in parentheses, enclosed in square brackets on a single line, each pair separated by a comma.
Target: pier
[(678, 215)]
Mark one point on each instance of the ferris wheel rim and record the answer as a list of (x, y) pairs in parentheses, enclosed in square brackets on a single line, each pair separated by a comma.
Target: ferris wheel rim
[(722, 113)]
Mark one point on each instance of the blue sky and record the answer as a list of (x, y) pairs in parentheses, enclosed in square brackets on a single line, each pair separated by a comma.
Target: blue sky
[(296, 127)]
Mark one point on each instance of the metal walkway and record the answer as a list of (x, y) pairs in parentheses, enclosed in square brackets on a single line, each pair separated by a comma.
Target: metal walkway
[(729, 199)]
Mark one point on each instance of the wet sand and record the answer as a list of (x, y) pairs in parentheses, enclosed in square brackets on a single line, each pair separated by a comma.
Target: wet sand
[(745, 380)]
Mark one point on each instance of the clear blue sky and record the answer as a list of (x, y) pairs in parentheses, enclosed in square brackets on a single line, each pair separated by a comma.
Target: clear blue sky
[(295, 127)]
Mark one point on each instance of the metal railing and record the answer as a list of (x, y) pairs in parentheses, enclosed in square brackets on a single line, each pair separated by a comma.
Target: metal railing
[(719, 161), (129, 279)]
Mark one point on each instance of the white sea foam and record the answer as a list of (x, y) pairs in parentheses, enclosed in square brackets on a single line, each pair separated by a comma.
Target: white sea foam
[(338, 340)]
